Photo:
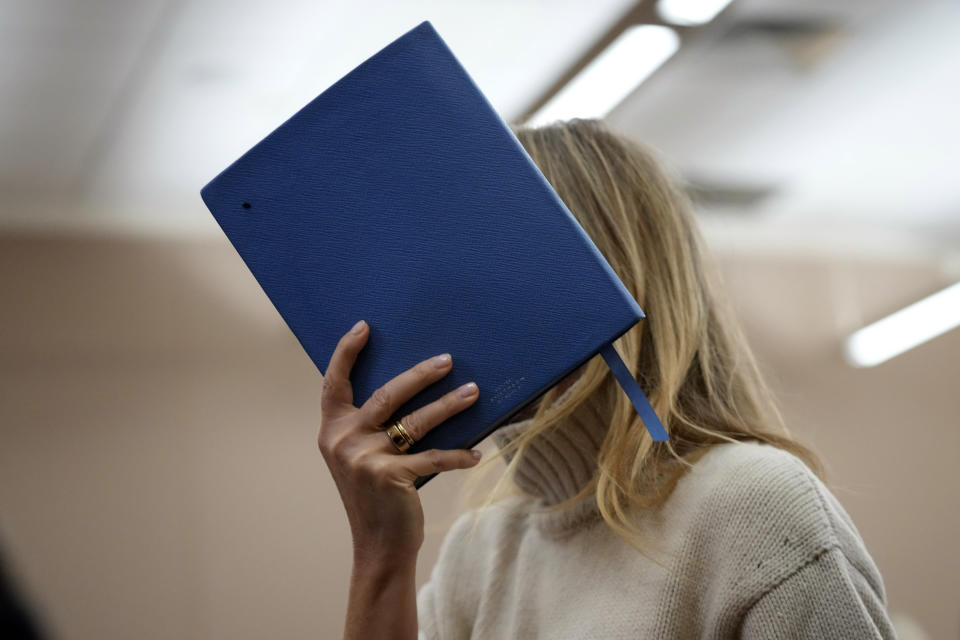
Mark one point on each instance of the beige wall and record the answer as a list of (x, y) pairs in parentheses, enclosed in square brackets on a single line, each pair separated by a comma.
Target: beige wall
[(159, 475)]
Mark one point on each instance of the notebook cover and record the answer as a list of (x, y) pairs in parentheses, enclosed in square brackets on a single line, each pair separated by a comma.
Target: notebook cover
[(399, 196)]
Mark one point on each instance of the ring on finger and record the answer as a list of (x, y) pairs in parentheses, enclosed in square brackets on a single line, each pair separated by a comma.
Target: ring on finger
[(399, 436)]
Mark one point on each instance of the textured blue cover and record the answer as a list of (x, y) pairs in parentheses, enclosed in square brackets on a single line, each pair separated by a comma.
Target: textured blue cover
[(399, 196)]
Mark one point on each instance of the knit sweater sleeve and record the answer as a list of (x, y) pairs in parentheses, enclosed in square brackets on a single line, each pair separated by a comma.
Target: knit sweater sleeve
[(826, 598), (780, 556)]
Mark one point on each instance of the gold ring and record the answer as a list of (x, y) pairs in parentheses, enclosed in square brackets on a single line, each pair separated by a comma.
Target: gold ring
[(399, 436)]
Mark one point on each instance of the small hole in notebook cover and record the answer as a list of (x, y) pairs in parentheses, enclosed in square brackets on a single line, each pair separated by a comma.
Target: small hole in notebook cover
[(246, 205)]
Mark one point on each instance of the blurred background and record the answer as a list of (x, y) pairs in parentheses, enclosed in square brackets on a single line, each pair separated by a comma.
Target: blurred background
[(159, 475)]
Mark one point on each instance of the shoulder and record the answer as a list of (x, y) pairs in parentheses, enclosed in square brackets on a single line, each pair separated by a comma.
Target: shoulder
[(743, 483), (478, 534), (474, 550), (762, 515)]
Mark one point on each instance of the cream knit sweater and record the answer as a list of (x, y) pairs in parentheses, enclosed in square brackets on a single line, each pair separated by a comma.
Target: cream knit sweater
[(757, 547)]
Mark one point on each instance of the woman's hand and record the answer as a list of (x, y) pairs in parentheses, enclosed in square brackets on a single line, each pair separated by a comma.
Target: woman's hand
[(374, 479)]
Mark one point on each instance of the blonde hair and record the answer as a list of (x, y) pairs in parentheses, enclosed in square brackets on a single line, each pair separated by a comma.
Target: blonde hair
[(688, 354)]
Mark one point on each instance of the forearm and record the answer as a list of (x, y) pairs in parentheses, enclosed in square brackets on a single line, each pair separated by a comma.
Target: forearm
[(376, 483), (383, 598)]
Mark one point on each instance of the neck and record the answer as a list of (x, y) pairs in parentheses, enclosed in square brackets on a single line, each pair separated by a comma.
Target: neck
[(558, 464)]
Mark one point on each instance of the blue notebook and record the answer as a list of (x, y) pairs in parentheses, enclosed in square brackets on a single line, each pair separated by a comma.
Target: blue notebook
[(400, 197)]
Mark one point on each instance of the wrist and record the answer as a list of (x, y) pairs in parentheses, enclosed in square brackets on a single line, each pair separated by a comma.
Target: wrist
[(386, 547), (372, 557)]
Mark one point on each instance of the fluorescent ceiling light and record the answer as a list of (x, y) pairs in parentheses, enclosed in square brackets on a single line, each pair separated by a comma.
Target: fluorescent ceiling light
[(905, 329), (612, 75), (690, 12)]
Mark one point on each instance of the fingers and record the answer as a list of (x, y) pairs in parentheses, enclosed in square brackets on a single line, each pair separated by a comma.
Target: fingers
[(439, 460), (421, 421), (386, 399), (337, 390)]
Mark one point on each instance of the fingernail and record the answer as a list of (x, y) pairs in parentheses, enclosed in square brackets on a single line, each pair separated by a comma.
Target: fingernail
[(441, 360), (468, 389), (475, 453), (357, 328)]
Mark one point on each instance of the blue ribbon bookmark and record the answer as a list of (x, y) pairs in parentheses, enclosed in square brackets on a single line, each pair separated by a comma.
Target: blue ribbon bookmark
[(635, 393)]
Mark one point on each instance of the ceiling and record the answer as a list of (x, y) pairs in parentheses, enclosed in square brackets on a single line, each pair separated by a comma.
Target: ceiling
[(805, 125), (835, 121), (122, 110)]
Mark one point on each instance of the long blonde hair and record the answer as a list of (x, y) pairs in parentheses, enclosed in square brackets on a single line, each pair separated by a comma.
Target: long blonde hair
[(688, 354)]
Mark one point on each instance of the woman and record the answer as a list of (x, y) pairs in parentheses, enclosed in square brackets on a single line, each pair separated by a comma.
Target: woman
[(725, 531)]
